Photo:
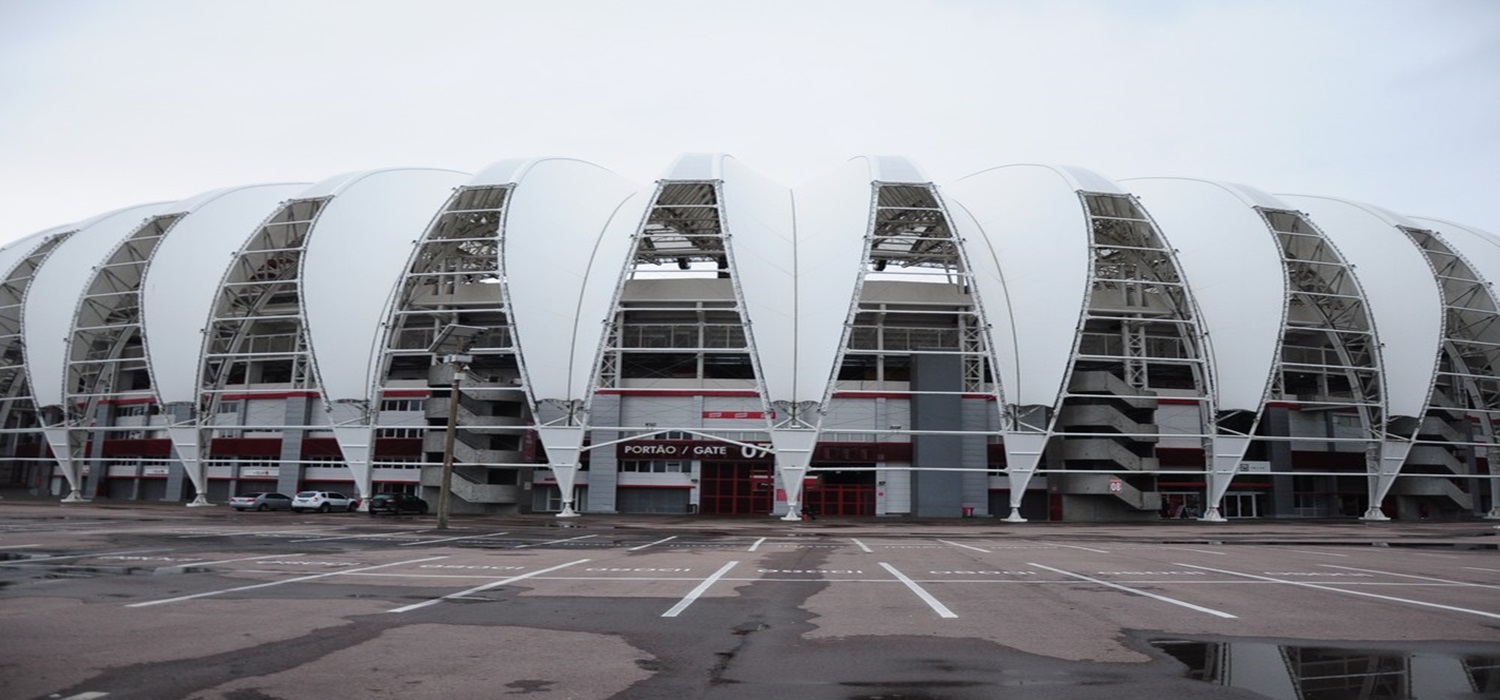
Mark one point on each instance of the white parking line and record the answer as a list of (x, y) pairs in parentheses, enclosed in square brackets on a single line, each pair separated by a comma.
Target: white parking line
[(569, 539), (229, 561), (243, 533), (862, 545), (360, 537), (756, 546), (1321, 554), (485, 587), (18, 546), (1476, 568), (179, 599), (699, 590), (1420, 578), (1137, 591), (32, 560), (1189, 549), (648, 544), (1086, 549), (942, 610), (955, 544), (1346, 591), (453, 539)]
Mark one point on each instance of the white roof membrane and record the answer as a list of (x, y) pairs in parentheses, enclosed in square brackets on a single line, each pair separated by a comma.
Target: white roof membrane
[(1398, 282), (1233, 267), (567, 238), (54, 294), (1033, 222), (368, 228), (833, 217), (758, 223), (182, 279)]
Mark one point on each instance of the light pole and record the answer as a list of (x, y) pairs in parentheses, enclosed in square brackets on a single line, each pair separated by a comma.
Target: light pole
[(450, 344), (445, 495)]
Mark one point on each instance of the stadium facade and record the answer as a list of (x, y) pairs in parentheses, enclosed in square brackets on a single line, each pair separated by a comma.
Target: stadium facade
[(1028, 342)]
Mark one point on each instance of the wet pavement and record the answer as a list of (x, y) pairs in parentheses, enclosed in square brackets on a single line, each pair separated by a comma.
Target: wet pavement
[(161, 601)]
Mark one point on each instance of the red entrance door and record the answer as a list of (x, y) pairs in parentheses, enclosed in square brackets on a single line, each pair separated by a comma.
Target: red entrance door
[(840, 499), (735, 488)]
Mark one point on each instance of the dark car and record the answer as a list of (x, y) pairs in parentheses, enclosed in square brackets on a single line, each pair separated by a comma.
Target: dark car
[(397, 503)]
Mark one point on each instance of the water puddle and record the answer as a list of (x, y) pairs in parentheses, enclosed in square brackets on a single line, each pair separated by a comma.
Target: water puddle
[(1295, 672)]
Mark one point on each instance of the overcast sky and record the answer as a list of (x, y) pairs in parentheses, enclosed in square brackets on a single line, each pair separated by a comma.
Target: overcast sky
[(109, 103)]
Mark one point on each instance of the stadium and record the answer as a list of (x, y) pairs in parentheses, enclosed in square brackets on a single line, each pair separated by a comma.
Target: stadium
[(1029, 342)]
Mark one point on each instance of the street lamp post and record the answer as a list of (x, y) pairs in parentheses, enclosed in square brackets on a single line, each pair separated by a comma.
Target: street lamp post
[(450, 344), (445, 495)]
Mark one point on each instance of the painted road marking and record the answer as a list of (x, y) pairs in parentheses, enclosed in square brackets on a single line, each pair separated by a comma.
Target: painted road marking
[(485, 587), (1316, 553), (31, 560), (648, 544), (451, 539), (247, 533), (1086, 549), (862, 545), (700, 589), (18, 546), (1475, 568), (1420, 578), (757, 544), (965, 546), (1189, 549), (230, 561), (942, 610), (1345, 591), (539, 544), (361, 537), (275, 583), (1137, 591)]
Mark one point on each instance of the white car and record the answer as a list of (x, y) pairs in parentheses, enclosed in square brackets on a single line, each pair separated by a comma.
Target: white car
[(322, 501)]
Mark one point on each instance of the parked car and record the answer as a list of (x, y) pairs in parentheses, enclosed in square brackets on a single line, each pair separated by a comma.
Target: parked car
[(397, 503), (264, 500), (323, 501)]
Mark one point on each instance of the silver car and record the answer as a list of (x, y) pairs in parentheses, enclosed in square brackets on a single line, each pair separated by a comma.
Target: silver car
[(264, 500)]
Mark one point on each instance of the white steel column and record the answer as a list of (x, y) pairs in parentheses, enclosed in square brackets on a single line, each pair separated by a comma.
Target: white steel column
[(62, 450), (563, 443), (1023, 451), (1227, 452), (1391, 455), (356, 442), (187, 441), (794, 449)]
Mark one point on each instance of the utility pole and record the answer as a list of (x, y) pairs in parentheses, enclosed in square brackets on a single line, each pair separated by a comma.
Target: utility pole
[(445, 495)]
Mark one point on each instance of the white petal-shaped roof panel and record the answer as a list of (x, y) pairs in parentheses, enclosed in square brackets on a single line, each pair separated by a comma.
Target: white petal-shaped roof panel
[(568, 231), (897, 169), (1404, 298), (1233, 267), (1033, 221), (370, 226), (53, 297), (182, 279), (1480, 248), (16, 251), (992, 294), (761, 240), (832, 220), (696, 167)]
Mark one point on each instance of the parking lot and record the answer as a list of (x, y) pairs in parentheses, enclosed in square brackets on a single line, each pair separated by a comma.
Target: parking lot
[(162, 601)]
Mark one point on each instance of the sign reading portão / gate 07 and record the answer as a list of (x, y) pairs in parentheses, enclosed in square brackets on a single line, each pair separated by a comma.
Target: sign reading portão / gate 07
[(705, 450)]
